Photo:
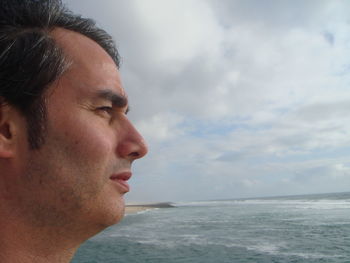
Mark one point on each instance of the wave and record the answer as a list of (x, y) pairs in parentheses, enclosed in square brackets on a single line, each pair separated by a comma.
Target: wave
[(322, 201), (301, 204), (206, 203), (275, 251)]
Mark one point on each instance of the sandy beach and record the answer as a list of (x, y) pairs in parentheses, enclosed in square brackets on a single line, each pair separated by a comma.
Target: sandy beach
[(135, 208)]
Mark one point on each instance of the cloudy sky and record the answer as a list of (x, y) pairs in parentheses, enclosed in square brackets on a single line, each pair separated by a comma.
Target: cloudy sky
[(235, 98)]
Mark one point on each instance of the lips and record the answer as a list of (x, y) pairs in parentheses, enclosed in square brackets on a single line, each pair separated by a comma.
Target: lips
[(121, 181)]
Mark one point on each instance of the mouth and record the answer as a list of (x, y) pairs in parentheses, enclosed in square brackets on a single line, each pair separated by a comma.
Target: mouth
[(120, 181)]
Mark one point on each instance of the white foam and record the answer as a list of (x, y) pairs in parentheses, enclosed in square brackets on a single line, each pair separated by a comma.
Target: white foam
[(207, 203), (275, 250), (265, 248), (309, 255), (298, 203), (146, 211), (141, 212)]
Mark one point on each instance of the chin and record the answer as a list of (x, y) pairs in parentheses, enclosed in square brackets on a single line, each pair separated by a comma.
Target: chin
[(106, 210), (119, 215), (107, 222), (115, 215), (101, 221)]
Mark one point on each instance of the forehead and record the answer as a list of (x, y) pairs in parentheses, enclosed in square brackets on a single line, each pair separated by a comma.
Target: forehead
[(91, 68)]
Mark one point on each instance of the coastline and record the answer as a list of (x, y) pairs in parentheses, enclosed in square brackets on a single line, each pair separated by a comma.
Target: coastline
[(135, 208)]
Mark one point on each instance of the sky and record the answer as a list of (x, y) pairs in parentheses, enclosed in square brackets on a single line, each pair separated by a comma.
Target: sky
[(236, 98)]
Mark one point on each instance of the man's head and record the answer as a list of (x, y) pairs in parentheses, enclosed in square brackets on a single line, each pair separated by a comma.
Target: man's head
[(66, 145)]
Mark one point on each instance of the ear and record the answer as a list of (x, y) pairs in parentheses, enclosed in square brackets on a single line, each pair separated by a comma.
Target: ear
[(7, 146)]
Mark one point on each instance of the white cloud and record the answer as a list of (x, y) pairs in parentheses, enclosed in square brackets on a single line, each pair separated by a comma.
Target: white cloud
[(161, 127), (180, 30), (235, 98)]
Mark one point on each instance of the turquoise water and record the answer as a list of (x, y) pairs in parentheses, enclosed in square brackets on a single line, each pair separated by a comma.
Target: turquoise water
[(313, 228)]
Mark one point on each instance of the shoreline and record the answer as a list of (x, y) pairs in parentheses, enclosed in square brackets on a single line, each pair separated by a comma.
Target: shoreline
[(135, 208)]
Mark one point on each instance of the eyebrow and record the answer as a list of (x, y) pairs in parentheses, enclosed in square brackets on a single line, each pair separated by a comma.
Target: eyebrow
[(117, 100)]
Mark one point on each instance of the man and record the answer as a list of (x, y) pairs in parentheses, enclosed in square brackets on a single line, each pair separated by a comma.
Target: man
[(66, 145)]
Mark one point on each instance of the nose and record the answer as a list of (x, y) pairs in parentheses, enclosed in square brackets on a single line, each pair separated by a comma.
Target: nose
[(131, 146)]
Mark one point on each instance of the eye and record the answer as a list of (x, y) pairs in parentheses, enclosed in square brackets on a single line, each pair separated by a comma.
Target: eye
[(105, 110)]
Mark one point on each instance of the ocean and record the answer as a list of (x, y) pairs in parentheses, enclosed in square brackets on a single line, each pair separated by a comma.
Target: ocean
[(308, 228)]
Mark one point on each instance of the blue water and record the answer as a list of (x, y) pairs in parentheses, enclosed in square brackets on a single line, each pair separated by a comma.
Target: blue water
[(311, 228)]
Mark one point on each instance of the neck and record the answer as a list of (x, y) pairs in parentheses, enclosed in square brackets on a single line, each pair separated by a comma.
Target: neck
[(20, 243), (18, 255)]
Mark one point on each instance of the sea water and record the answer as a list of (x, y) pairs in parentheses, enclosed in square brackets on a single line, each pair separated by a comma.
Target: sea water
[(310, 228)]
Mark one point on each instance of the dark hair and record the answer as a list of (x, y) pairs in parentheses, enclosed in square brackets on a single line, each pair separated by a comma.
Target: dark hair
[(30, 59)]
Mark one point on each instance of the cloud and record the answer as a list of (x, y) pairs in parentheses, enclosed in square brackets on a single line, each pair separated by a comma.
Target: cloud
[(236, 98)]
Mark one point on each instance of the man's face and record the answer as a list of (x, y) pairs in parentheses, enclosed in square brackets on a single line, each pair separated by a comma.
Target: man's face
[(80, 173)]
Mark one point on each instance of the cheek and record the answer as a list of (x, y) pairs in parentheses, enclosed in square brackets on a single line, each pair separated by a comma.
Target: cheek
[(89, 138), (85, 155), (93, 144), (85, 147), (85, 160)]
